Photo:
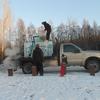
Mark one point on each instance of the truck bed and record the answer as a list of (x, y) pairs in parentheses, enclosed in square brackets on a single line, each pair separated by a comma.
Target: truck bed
[(50, 62)]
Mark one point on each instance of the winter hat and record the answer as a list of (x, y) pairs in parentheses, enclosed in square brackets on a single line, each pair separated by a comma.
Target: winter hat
[(37, 45), (44, 22)]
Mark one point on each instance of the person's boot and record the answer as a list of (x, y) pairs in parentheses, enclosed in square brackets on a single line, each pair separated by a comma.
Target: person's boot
[(41, 73)]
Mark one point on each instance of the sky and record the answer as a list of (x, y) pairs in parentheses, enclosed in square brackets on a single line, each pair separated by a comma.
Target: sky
[(57, 11)]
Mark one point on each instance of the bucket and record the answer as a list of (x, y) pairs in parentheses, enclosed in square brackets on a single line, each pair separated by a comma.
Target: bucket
[(34, 70), (10, 72), (92, 70)]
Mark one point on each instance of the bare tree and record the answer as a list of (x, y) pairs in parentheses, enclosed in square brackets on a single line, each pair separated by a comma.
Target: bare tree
[(95, 30), (85, 28), (0, 30), (41, 32), (61, 32), (73, 30), (31, 29), (6, 23), (21, 34), (86, 34), (0, 40)]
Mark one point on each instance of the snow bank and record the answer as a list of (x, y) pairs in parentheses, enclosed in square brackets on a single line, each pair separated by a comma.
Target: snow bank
[(12, 54), (9, 52), (77, 84)]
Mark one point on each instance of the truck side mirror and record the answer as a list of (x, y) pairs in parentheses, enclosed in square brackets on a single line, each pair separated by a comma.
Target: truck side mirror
[(63, 55)]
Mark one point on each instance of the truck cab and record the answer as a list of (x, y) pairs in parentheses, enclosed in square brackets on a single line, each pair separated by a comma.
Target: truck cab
[(76, 56)]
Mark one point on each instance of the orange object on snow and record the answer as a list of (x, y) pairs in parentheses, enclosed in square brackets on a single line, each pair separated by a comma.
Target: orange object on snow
[(62, 69)]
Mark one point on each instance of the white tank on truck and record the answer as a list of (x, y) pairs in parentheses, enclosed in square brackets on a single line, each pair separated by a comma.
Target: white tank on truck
[(46, 46)]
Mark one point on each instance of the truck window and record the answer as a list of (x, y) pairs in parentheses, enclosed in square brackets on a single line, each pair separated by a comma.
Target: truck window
[(70, 48)]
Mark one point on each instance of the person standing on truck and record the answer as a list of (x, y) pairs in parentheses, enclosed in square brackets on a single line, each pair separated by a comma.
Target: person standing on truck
[(47, 28), (38, 59)]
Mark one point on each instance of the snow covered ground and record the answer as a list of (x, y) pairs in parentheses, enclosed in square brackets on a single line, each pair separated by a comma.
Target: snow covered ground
[(77, 84)]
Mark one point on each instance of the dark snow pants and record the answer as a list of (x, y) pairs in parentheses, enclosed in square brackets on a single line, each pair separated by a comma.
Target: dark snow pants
[(40, 68), (47, 35)]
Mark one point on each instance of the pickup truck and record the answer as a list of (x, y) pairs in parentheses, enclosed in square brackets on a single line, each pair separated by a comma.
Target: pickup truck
[(76, 56)]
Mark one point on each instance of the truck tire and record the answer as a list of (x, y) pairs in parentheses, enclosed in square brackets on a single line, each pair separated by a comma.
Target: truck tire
[(27, 68), (96, 63)]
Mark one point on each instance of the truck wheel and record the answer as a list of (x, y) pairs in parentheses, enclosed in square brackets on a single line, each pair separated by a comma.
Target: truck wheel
[(27, 68), (95, 63)]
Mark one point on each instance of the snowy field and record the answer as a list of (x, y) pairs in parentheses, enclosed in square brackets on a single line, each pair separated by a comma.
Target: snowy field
[(77, 84)]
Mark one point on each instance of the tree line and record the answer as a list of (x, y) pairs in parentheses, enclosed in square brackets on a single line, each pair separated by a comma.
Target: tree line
[(86, 36)]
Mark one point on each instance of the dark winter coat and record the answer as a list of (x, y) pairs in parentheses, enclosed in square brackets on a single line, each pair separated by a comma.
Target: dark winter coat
[(47, 27), (37, 56)]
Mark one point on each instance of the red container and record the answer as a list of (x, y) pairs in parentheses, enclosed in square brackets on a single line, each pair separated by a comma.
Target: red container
[(63, 69)]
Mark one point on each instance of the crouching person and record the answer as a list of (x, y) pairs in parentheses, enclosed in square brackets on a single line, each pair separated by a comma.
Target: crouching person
[(38, 59)]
